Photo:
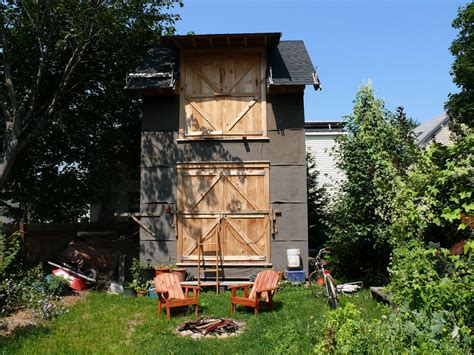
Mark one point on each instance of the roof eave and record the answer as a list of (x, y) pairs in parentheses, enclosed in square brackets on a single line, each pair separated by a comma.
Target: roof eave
[(266, 39)]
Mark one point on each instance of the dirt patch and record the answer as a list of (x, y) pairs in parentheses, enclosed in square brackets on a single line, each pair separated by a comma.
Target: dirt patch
[(21, 320), (27, 320), (69, 300)]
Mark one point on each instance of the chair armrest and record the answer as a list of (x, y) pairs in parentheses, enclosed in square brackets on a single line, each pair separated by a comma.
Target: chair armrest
[(194, 288), (161, 291), (267, 289), (233, 289)]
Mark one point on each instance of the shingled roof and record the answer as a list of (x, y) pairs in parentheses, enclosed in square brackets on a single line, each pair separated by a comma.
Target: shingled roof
[(427, 130), (288, 64)]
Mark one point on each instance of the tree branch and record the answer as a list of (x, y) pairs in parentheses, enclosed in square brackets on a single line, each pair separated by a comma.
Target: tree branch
[(7, 70), (4, 107), (39, 73), (16, 144), (8, 206), (63, 83)]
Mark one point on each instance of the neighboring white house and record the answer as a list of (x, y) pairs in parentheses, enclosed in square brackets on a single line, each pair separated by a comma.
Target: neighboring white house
[(320, 140), (434, 130)]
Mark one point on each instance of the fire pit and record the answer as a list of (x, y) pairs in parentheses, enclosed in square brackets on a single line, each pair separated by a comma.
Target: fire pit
[(211, 327)]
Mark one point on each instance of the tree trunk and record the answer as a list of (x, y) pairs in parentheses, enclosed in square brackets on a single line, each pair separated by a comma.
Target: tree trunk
[(8, 159)]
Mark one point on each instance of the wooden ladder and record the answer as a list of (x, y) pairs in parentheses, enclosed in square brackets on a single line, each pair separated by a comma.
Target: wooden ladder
[(202, 260)]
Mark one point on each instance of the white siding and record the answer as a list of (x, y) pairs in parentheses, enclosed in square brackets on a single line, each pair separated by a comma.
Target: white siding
[(320, 145), (442, 136)]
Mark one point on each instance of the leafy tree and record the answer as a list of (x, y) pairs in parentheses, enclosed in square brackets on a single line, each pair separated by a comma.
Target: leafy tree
[(317, 205), (435, 201), (460, 106), (377, 148), (67, 122)]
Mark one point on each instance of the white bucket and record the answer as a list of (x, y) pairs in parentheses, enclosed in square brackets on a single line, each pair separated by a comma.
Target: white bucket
[(293, 257)]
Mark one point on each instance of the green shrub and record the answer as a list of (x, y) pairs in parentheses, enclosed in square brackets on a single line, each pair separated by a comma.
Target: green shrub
[(9, 251), (348, 331), (29, 289), (429, 204), (139, 276), (57, 286), (431, 280)]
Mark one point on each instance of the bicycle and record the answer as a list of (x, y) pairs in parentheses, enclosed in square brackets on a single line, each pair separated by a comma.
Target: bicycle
[(318, 263), (332, 290)]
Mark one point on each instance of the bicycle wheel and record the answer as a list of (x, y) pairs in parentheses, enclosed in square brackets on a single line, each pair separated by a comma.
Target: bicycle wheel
[(331, 291), (313, 278)]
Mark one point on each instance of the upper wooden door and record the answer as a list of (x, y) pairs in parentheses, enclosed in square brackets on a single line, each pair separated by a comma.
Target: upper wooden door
[(225, 202), (223, 95)]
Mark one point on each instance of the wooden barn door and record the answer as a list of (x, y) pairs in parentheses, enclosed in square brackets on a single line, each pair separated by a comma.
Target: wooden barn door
[(229, 200), (223, 95)]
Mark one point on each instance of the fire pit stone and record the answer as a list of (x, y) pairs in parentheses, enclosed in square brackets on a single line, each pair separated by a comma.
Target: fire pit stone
[(211, 327)]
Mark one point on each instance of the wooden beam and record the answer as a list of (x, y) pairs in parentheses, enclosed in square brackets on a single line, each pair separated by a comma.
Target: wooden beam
[(245, 72), (201, 113), (145, 228), (205, 78), (242, 113), (240, 233)]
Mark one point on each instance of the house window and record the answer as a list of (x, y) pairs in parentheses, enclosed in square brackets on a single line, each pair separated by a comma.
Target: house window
[(223, 95)]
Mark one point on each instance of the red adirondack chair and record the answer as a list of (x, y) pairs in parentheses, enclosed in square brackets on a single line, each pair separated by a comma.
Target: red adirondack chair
[(261, 293), (170, 294)]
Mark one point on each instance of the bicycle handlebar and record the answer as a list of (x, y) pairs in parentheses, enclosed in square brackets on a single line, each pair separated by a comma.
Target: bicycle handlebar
[(323, 251)]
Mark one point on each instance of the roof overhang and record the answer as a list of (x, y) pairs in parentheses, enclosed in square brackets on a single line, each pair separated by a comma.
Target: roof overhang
[(268, 39), (324, 127)]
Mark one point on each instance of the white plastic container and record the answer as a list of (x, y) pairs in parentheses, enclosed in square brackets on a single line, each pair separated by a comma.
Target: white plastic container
[(293, 257)]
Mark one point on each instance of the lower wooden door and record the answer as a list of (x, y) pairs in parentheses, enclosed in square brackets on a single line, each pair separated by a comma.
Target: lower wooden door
[(225, 202)]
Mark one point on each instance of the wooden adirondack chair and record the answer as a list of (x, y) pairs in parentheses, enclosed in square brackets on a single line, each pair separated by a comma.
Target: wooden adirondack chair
[(261, 293), (170, 294)]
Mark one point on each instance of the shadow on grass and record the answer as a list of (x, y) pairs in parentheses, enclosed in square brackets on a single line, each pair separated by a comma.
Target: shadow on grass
[(277, 306), (23, 333)]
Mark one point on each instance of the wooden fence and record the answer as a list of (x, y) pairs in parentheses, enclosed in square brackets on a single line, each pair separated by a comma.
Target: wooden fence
[(42, 242)]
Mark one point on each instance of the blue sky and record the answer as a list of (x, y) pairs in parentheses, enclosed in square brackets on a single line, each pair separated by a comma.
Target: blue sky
[(401, 46)]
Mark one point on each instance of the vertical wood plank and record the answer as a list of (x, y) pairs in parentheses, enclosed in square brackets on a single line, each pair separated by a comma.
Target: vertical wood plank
[(267, 203), (263, 93), (182, 86)]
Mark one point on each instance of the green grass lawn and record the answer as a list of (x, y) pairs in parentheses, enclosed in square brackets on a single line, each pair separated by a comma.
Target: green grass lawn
[(105, 324)]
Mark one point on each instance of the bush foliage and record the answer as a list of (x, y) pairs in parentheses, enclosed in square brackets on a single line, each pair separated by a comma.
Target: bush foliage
[(437, 192), (30, 289), (9, 252), (348, 331)]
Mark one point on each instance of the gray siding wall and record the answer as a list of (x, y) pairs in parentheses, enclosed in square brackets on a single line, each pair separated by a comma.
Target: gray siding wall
[(285, 150)]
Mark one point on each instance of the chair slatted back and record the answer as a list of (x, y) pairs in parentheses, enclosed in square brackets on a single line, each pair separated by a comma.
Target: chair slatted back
[(265, 280), (170, 282)]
